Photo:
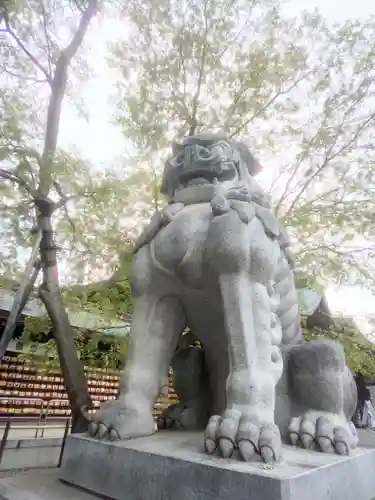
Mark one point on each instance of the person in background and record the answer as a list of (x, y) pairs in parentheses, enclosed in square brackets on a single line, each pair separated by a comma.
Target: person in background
[(364, 401)]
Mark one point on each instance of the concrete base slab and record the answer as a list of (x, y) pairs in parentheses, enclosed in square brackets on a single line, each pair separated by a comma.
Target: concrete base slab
[(173, 466), (366, 438)]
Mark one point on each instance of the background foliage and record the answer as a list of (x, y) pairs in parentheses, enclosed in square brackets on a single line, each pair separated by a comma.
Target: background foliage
[(94, 349), (298, 90), (360, 355)]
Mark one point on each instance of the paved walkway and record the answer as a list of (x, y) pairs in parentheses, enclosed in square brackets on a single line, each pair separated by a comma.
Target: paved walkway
[(40, 484)]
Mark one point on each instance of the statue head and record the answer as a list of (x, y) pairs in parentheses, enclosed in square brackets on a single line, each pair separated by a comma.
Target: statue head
[(207, 158)]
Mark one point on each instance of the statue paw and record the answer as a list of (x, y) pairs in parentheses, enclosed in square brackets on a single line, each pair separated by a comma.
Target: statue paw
[(178, 416), (251, 437), (324, 431), (115, 421)]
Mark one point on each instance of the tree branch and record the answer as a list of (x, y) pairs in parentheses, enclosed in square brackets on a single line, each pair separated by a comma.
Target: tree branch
[(329, 158), (62, 203), (10, 176), (26, 152), (58, 92), (297, 166), (48, 40), (279, 93), (79, 6), (193, 119), (24, 77), (22, 295), (23, 47), (182, 65), (362, 90), (70, 51), (332, 248)]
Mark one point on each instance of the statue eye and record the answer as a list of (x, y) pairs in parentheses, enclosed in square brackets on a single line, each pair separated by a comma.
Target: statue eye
[(204, 153), (179, 160)]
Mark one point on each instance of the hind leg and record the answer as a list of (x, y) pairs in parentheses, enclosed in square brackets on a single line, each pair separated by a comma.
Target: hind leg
[(190, 381), (323, 396)]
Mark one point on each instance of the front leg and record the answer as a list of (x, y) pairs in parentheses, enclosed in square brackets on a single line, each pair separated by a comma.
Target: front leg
[(243, 258), (156, 326), (255, 368), (324, 397)]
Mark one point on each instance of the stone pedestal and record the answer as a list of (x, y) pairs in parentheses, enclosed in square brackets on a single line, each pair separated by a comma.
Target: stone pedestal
[(173, 466)]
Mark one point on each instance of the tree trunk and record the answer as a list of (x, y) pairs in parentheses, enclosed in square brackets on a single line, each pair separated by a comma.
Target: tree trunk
[(50, 293), (22, 295)]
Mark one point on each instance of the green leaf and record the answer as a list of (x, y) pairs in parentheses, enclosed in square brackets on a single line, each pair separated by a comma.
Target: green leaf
[(4, 152)]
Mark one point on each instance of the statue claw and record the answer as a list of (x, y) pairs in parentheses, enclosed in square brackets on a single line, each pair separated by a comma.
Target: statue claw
[(331, 433), (250, 437)]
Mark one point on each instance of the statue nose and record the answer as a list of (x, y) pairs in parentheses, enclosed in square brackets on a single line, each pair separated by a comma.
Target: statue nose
[(195, 155)]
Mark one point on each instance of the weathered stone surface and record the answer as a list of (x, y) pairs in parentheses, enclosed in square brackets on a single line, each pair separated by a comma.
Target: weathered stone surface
[(218, 261), (173, 466)]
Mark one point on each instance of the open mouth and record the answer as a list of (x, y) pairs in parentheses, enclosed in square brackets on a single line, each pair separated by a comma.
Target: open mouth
[(208, 175)]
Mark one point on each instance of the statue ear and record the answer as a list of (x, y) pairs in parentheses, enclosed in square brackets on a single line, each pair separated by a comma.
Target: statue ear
[(176, 148), (252, 164), (166, 181)]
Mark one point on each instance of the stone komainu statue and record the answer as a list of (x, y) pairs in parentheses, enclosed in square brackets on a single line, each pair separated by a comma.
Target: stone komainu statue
[(217, 260)]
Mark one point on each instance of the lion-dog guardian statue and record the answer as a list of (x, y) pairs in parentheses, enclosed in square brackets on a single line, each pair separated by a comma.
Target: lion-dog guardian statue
[(217, 260)]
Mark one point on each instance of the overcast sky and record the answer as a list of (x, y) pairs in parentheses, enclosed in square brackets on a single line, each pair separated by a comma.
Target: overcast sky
[(108, 141)]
